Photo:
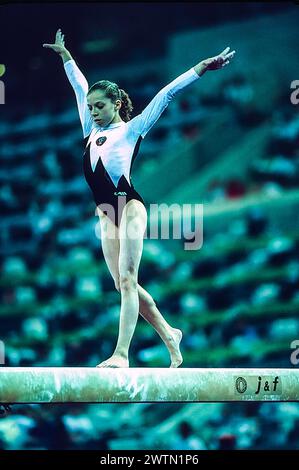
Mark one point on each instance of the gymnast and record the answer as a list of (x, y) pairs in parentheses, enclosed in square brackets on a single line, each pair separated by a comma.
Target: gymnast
[(111, 140)]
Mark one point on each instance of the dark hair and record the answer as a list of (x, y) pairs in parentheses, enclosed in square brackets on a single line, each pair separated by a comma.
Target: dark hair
[(113, 92)]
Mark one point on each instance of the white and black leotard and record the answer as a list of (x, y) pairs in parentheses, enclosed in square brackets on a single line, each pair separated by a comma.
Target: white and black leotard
[(110, 151)]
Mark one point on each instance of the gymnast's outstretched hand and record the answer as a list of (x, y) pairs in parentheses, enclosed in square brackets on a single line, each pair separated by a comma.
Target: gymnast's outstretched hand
[(213, 63), (59, 46)]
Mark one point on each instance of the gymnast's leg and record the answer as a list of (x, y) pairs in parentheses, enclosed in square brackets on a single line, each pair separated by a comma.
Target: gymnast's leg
[(148, 309), (169, 335), (131, 232)]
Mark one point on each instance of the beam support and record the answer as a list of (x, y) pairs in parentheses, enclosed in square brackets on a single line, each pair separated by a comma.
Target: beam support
[(126, 385)]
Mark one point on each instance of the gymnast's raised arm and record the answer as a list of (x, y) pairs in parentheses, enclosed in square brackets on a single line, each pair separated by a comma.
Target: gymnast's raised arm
[(76, 79), (144, 121)]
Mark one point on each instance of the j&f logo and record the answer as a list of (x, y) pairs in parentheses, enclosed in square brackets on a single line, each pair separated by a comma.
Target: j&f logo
[(2, 86), (257, 385)]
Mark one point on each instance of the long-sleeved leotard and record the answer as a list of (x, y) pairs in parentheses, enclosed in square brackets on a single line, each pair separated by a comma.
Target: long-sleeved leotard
[(110, 151)]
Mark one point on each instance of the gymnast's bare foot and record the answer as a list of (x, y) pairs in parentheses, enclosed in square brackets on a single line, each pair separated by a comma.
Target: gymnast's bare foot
[(115, 361), (174, 347)]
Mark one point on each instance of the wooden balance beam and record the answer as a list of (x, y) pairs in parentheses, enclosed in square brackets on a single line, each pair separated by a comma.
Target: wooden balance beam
[(126, 385)]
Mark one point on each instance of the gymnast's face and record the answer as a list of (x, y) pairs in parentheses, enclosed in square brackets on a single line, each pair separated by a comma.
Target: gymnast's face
[(102, 109)]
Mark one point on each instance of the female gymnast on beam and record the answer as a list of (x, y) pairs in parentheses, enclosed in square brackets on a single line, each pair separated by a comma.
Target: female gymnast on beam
[(112, 141)]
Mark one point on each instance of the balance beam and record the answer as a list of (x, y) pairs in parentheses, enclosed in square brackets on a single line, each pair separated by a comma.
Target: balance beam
[(126, 385)]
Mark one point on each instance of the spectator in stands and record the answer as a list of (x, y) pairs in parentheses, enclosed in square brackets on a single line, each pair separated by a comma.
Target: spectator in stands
[(105, 111)]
